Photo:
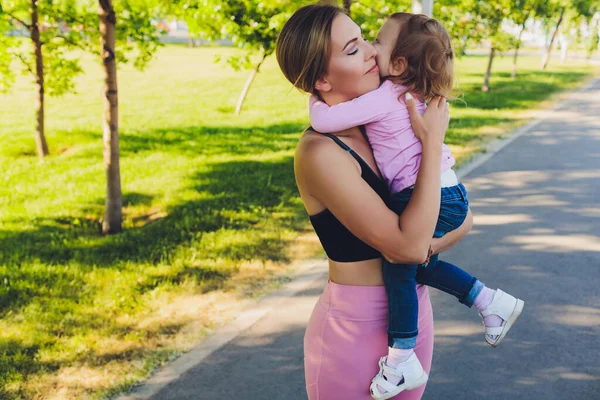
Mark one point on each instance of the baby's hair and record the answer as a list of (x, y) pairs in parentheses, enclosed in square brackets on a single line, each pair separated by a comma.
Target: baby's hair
[(427, 48)]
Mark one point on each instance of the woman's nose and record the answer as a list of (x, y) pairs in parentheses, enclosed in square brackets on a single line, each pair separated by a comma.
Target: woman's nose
[(370, 51)]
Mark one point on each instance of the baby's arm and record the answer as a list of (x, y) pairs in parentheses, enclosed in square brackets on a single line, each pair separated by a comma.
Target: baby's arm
[(370, 107)]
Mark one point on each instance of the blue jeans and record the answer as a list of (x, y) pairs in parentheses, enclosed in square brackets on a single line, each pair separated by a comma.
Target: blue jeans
[(401, 279)]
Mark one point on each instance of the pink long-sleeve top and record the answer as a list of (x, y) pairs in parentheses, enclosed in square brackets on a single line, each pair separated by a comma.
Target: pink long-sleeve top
[(396, 149)]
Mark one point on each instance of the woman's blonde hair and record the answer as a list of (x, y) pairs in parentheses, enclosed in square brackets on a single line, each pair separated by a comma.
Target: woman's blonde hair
[(303, 46), (427, 48)]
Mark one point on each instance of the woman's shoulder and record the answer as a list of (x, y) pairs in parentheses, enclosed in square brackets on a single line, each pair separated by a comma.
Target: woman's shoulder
[(318, 154), (315, 147)]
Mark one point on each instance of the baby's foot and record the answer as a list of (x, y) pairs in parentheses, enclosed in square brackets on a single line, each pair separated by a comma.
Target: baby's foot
[(390, 381), (499, 316)]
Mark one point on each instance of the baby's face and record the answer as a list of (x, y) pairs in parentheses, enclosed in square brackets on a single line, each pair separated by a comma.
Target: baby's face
[(384, 44)]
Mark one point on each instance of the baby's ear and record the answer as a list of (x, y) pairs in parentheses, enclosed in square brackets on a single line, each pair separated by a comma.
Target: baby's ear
[(399, 66), (323, 85)]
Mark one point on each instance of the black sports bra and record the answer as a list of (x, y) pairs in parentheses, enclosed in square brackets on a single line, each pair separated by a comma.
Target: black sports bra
[(338, 242)]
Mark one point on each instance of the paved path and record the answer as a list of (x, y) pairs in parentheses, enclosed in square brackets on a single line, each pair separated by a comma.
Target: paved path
[(536, 234)]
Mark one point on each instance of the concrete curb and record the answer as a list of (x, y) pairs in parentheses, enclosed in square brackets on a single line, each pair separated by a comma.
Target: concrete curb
[(303, 277)]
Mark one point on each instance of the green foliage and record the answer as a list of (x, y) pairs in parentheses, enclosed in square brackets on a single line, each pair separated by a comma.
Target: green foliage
[(56, 40), (251, 25), (67, 25), (489, 16), (458, 19), (593, 38), (138, 35), (7, 43), (371, 14)]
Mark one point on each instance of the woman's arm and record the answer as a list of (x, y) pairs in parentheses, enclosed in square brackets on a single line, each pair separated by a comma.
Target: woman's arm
[(370, 107), (326, 173)]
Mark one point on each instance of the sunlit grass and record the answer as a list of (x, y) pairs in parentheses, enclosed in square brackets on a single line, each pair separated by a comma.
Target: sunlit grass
[(212, 214)]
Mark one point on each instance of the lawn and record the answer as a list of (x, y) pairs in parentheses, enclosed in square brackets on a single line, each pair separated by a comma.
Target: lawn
[(212, 215)]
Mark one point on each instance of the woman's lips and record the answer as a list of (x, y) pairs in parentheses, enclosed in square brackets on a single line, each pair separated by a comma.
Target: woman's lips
[(373, 69)]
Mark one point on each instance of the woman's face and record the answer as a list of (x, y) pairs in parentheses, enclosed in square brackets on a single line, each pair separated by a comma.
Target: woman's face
[(352, 69)]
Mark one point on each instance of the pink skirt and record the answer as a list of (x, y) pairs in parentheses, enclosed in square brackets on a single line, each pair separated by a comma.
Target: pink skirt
[(346, 336)]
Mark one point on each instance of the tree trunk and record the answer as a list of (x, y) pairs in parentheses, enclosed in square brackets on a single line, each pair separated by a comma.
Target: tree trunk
[(547, 54), (114, 200), (40, 137), (238, 107), (514, 70), (488, 73), (593, 45), (564, 49), (190, 42), (347, 5), (427, 7)]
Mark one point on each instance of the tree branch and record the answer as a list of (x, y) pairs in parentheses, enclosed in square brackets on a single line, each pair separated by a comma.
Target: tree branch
[(28, 26), (25, 63), (71, 42), (379, 14)]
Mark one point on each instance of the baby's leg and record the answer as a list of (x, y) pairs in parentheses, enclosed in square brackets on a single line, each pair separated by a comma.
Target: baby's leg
[(401, 369), (472, 292), (403, 304)]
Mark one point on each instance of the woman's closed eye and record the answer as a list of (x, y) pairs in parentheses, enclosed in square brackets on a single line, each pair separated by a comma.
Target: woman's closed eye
[(353, 52)]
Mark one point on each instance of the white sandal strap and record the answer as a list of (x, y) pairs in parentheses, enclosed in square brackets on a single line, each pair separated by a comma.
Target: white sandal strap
[(502, 305), (389, 370), (380, 381), (494, 331)]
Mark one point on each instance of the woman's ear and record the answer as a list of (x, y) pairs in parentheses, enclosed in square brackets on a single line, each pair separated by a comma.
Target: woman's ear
[(399, 66), (323, 85)]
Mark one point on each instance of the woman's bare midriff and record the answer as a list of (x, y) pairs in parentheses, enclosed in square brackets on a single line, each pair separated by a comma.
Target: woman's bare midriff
[(360, 273)]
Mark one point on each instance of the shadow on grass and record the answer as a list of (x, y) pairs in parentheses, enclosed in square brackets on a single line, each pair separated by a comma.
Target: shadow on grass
[(233, 220), (18, 360), (200, 141)]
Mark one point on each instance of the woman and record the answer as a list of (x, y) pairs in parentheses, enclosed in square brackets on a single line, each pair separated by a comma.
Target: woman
[(321, 51)]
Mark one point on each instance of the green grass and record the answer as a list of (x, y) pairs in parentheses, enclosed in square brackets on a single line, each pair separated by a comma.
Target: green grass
[(212, 214)]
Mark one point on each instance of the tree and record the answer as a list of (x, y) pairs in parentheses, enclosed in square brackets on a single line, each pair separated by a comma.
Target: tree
[(113, 215), (252, 25), (561, 15), (460, 22), (570, 10), (586, 14), (489, 16), (135, 30), (54, 29), (51, 30), (522, 10), (593, 38)]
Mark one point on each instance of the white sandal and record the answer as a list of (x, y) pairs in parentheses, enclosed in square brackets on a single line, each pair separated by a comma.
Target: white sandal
[(506, 307), (410, 370)]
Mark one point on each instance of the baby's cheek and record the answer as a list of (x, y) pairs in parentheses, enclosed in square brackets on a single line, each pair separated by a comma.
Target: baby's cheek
[(382, 66)]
